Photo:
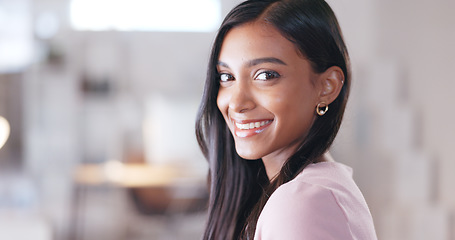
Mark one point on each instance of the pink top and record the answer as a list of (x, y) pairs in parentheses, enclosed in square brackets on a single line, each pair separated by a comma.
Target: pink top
[(321, 203)]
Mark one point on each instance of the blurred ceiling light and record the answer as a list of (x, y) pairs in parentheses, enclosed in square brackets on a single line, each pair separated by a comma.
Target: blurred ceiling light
[(146, 15), (4, 131)]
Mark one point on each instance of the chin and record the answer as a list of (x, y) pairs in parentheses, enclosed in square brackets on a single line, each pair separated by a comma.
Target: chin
[(250, 158), (248, 155)]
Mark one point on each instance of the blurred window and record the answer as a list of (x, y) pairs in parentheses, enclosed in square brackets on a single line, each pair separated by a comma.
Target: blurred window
[(145, 15), (16, 35)]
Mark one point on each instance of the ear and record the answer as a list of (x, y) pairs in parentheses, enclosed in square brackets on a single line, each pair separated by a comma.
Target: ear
[(330, 83)]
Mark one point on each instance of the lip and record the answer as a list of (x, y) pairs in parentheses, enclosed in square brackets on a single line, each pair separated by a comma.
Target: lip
[(243, 133)]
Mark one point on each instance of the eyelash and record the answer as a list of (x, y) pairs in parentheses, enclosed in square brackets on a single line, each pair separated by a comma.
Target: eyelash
[(268, 75), (225, 77)]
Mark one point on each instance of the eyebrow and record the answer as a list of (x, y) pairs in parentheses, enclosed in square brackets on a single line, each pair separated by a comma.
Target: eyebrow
[(257, 61)]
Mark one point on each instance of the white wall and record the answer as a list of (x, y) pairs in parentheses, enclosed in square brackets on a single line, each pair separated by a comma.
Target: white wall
[(399, 118)]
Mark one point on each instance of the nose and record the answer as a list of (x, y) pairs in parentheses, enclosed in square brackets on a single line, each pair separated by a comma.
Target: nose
[(241, 99)]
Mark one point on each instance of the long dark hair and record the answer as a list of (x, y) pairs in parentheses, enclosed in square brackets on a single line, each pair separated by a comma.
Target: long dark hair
[(240, 188)]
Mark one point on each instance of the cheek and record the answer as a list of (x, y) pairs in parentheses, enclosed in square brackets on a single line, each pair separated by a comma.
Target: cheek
[(222, 101), (293, 104), (285, 100)]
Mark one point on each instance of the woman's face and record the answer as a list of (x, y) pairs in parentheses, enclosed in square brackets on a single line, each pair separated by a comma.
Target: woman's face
[(268, 92)]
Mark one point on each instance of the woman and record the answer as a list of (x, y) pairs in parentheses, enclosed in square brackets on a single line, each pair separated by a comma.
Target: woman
[(277, 85)]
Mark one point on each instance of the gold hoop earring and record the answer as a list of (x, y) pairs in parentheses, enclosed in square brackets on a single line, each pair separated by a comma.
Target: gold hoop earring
[(322, 108)]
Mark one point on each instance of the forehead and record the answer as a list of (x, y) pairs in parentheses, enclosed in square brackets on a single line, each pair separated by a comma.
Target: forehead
[(257, 39)]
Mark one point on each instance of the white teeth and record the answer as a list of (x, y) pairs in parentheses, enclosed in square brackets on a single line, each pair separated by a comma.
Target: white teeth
[(251, 125)]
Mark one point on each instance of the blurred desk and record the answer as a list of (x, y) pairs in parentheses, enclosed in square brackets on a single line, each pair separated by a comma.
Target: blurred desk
[(134, 175), (154, 190)]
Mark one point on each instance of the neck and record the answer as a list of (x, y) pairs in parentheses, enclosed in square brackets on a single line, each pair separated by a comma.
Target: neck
[(273, 165), (272, 168)]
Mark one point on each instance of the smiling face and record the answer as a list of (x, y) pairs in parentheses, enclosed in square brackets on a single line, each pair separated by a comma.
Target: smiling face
[(268, 92)]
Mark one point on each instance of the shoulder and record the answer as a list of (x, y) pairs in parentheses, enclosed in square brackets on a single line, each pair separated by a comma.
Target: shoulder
[(302, 210), (321, 203)]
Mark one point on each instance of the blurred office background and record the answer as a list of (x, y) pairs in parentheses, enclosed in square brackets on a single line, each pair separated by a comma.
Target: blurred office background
[(101, 96)]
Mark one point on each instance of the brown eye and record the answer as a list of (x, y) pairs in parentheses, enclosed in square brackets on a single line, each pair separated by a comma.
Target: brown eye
[(267, 75), (225, 77)]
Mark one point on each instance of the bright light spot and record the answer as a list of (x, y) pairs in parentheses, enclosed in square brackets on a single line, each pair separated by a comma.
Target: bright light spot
[(4, 131), (146, 15)]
